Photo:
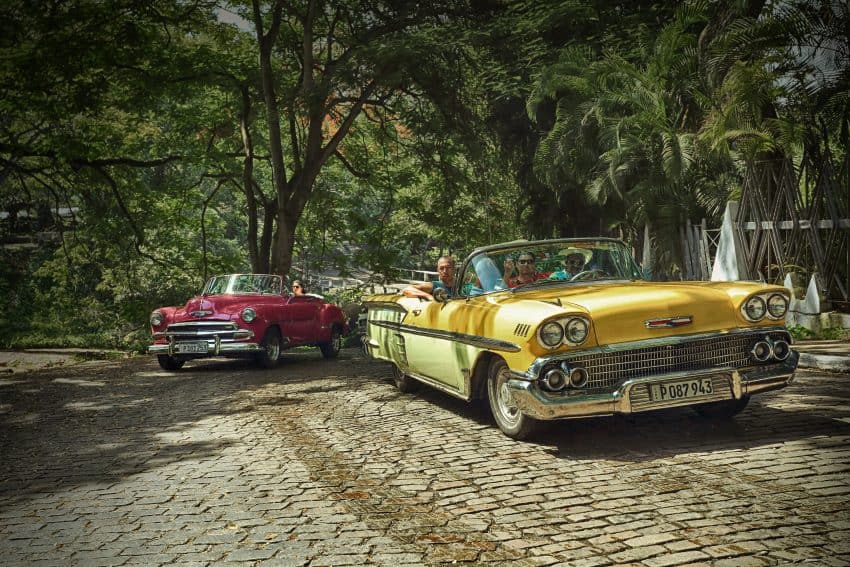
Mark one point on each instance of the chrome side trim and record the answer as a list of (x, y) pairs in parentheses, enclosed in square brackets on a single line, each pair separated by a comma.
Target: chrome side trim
[(465, 395), (472, 340), (391, 305)]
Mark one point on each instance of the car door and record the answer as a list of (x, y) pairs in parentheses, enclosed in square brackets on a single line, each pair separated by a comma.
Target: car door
[(442, 339), (302, 319)]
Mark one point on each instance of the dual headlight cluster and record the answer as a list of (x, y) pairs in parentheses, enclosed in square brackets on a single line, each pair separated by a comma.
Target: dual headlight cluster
[(757, 307), (570, 330)]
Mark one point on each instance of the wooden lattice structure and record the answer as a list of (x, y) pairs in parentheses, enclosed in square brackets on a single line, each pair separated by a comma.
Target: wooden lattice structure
[(798, 221)]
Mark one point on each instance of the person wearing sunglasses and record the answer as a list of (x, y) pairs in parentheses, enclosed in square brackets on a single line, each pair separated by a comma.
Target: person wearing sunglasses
[(298, 288), (526, 270), (575, 262)]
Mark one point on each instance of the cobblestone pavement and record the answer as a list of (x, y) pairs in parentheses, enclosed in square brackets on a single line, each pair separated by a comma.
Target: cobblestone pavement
[(325, 463)]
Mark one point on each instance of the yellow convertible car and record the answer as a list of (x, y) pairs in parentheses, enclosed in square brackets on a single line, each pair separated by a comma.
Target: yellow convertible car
[(568, 328)]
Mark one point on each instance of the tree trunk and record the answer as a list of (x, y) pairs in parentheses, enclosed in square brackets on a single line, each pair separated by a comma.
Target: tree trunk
[(248, 181)]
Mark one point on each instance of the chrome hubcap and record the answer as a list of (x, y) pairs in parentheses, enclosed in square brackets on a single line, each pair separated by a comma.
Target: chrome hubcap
[(504, 399), (273, 350)]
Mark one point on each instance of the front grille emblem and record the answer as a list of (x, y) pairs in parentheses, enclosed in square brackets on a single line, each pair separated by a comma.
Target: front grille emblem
[(201, 313), (666, 322)]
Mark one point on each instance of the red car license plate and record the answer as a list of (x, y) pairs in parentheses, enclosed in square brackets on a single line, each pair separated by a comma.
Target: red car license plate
[(192, 348)]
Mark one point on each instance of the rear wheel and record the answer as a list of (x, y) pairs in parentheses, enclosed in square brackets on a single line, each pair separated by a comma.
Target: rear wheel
[(508, 416), (168, 362), (331, 348), (403, 382), (723, 409), (270, 352)]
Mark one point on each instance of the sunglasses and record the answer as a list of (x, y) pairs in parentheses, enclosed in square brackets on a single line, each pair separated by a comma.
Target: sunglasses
[(296, 287), (575, 262), (525, 261)]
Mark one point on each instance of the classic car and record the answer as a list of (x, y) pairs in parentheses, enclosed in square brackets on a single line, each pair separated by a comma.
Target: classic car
[(586, 336), (245, 315)]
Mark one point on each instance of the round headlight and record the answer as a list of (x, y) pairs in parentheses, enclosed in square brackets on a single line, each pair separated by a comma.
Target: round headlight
[(576, 331), (248, 314), (777, 305), (755, 308), (551, 334), (157, 318)]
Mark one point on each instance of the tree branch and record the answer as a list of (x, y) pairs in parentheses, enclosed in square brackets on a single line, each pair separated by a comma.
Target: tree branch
[(348, 165)]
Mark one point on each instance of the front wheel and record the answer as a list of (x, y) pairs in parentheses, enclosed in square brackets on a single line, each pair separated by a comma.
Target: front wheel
[(508, 416), (168, 362), (270, 353), (331, 348), (724, 409)]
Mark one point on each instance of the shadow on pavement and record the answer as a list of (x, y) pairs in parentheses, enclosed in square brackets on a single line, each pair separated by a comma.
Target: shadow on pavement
[(661, 434), (102, 422)]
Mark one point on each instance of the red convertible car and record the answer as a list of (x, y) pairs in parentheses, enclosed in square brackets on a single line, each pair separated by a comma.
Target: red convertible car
[(239, 315)]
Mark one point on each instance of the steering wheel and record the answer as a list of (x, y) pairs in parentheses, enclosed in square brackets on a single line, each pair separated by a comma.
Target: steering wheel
[(592, 274)]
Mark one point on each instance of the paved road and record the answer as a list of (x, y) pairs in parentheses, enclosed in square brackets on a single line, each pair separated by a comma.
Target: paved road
[(325, 463)]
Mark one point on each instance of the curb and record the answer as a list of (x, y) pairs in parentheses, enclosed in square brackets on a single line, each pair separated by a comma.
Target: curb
[(825, 362)]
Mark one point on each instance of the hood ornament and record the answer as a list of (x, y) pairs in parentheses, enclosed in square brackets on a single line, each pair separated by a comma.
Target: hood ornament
[(200, 313), (667, 322)]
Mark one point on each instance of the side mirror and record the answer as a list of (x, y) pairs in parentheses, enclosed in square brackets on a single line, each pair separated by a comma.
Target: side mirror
[(440, 295)]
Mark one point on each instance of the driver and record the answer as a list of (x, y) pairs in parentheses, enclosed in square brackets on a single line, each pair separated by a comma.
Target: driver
[(575, 261)]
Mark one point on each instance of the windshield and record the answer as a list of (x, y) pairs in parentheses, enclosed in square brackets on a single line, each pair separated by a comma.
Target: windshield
[(243, 283), (517, 266)]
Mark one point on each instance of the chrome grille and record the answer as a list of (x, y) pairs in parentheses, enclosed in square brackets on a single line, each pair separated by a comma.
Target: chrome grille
[(201, 330), (609, 369)]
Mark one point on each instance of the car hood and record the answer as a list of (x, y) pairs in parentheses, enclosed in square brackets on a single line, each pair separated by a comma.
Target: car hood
[(214, 306), (620, 310)]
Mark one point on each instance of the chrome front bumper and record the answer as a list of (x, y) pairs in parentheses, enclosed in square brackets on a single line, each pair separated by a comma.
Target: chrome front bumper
[(632, 396), (215, 347)]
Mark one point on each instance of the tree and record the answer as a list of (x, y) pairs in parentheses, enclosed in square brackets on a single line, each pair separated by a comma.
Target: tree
[(343, 60)]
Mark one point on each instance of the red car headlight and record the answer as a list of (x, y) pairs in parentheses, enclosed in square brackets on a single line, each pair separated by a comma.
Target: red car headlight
[(248, 314), (157, 318)]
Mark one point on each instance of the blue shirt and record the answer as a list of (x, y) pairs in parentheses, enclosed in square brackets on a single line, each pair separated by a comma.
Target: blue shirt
[(439, 284)]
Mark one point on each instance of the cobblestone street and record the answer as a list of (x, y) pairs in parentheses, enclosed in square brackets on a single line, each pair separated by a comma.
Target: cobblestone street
[(325, 463)]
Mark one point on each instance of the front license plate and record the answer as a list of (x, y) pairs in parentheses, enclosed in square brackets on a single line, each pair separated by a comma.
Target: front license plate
[(192, 348), (679, 390)]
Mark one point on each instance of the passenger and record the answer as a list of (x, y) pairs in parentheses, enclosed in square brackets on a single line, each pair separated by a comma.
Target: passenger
[(526, 270), (298, 288), (446, 281)]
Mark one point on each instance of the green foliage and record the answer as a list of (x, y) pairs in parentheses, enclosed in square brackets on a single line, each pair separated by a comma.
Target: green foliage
[(800, 333), (487, 122), (834, 333)]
